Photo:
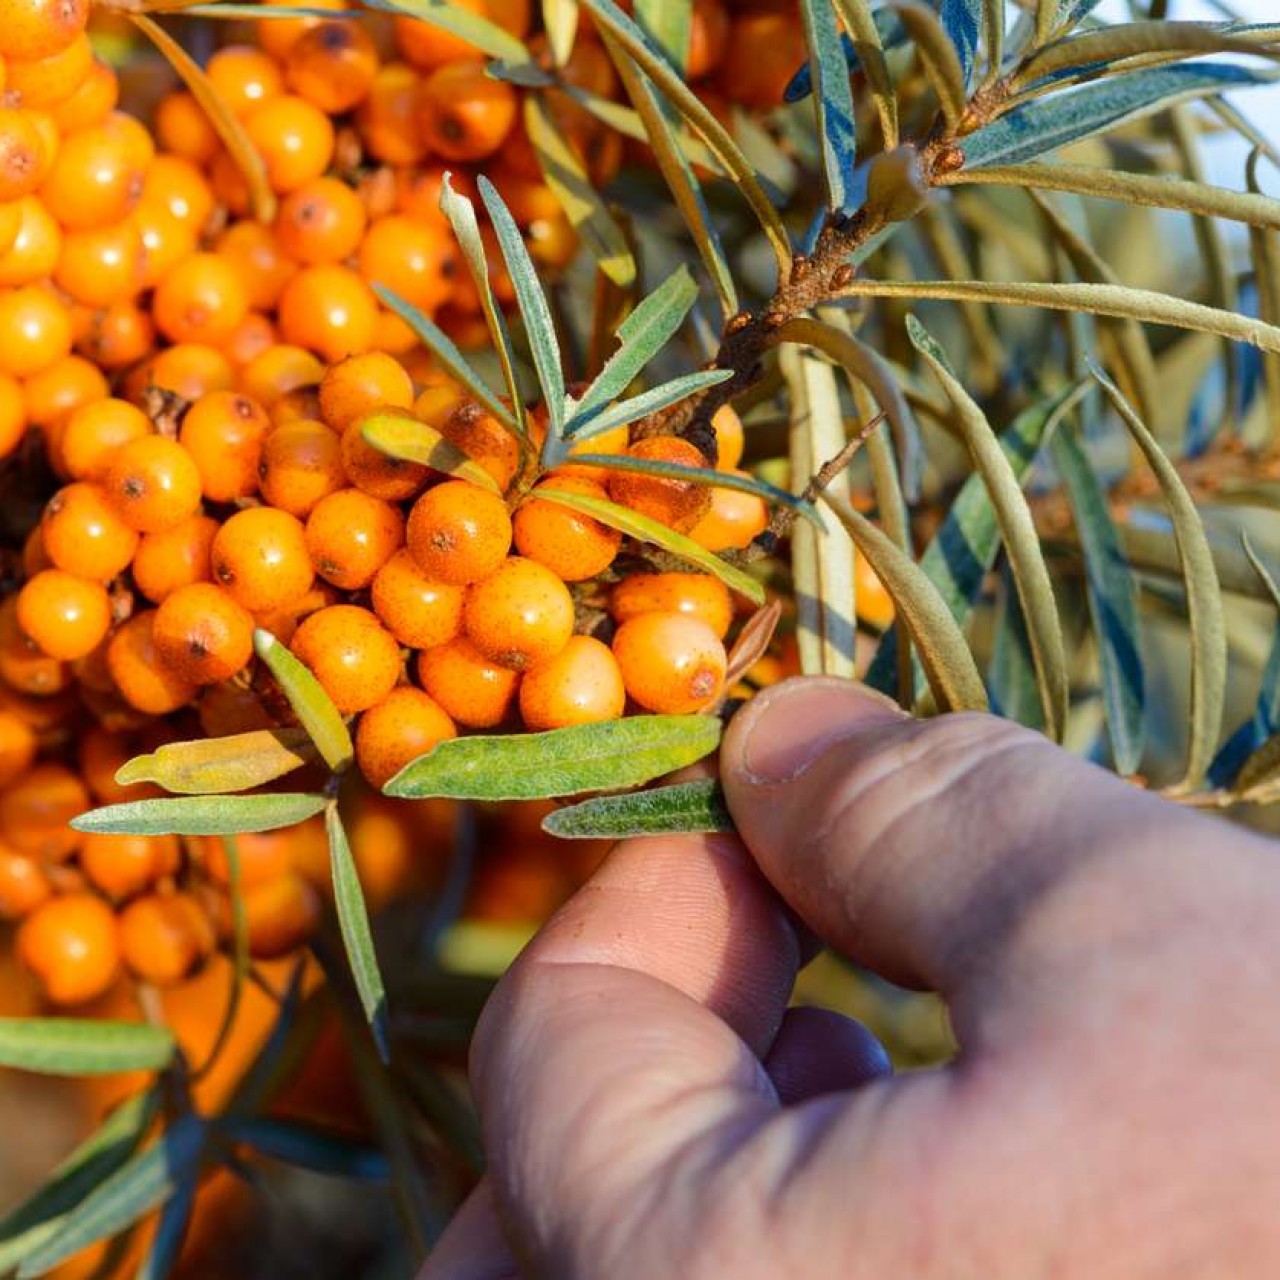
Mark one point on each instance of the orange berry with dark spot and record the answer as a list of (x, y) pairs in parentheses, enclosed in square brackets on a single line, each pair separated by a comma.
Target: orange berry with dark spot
[(281, 916), (36, 810), (330, 310), (322, 221), (353, 656), (97, 175), (731, 522), (84, 534), (386, 118), (23, 885), (519, 615), (202, 634), (144, 681), (123, 866), (419, 611), (37, 330), (351, 535), (244, 77), (360, 385), (72, 945), (153, 483), (294, 138), (459, 533), (301, 463), (463, 114), (191, 370), (694, 595), (417, 259), (37, 28), (469, 426), (581, 684), (63, 615), (224, 433), (379, 474), (677, 503), (406, 724), (573, 546), (178, 557), (472, 690), (22, 154), (279, 371), (333, 66), (116, 337), (671, 664), (165, 938), (260, 557), (201, 300)]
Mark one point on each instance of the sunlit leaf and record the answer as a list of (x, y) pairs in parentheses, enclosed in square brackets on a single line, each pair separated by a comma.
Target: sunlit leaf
[(201, 815), (837, 128), (560, 762), (668, 23), (459, 20), (413, 441), (211, 766), (939, 55), (963, 22), (684, 807), (306, 1148), (622, 412), (311, 704), (864, 37), (83, 1046), (560, 22)]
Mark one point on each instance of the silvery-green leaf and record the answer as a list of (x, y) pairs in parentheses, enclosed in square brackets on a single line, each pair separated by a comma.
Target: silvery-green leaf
[(837, 128), (201, 815), (83, 1046), (622, 412), (683, 807)]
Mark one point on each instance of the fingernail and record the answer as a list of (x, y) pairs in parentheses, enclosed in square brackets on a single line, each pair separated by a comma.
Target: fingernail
[(783, 731)]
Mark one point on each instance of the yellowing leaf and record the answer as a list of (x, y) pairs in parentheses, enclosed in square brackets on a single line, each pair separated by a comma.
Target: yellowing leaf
[(414, 441), (209, 766)]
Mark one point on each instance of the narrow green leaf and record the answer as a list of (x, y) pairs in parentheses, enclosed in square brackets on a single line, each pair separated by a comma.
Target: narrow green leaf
[(864, 34), (1011, 672), (171, 1230), (634, 525), (833, 101), (668, 23), (1017, 529), (357, 938), (458, 20), (948, 664), (414, 441), (313, 707), (684, 807), (560, 22), (201, 815), (962, 20), (211, 766), (640, 406), (83, 1046), (571, 185), (443, 348), (1264, 254), (1113, 603), (145, 1182), (939, 56), (1204, 596), (306, 1148), (540, 329), (561, 762)]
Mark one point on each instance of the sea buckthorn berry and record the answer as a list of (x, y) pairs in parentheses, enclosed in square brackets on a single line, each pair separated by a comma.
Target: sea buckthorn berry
[(419, 611), (416, 259), (22, 154), (475, 431), (473, 691), (708, 37), (427, 46), (519, 615), (329, 309), (94, 431), (379, 474), (183, 128), (36, 810), (677, 503), (406, 724), (18, 745), (694, 595), (63, 615), (144, 681), (437, 403), (123, 866), (276, 36), (97, 175), (333, 66), (99, 755), (573, 546), (386, 119), (201, 300), (294, 138), (94, 99), (165, 938), (351, 535), (359, 385), (36, 329), (72, 946), (101, 265), (763, 49), (255, 334), (730, 437), (23, 885), (10, 224), (33, 255), (13, 414), (353, 656), (153, 483), (116, 337), (459, 533), (224, 433), (191, 370), (260, 556), (302, 405), (39, 83), (463, 114), (263, 856), (322, 221), (84, 534), (671, 664), (255, 252), (244, 77), (24, 669), (278, 371), (51, 396), (202, 634), (230, 708), (579, 685), (732, 521), (37, 28), (281, 916), (181, 190), (301, 463), (874, 603)]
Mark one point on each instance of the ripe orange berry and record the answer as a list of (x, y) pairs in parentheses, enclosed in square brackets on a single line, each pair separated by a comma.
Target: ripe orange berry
[(708, 37), (519, 615), (36, 328), (179, 189), (281, 916), (102, 265), (386, 118), (732, 520), (277, 36), (730, 437), (329, 309), (93, 100), (463, 114), (23, 668), (294, 138), (85, 535), (468, 425), (55, 393), (13, 415), (64, 616), (472, 690), (677, 503), (406, 724), (124, 866), (37, 84), (416, 259), (99, 754), (874, 603), (35, 811), (764, 48), (278, 371), (191, 370), (153, 483), (260, 557), (360, 385), (459, 533), (97, 175), (301, 463), (322, 221), (37, 28), (202, 634), (116, 337), (671, 664), (166, 938), (254, 335), (34, 253), (178, 557), (351, 535), (379, 474), (22, 154), (419, 611), (244, 77), (223, 433), (264, 856), (18, 745), (23, 885), (144, 681), (201, 300), (353, 656), (694, 595), (333, 66), (256, 253), (183, 128), (573, 546), (427, 46), (94, 431), (72, 945), (579, 685)]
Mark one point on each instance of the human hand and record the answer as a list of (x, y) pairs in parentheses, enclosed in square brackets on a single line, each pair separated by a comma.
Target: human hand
[(651, 1108)]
